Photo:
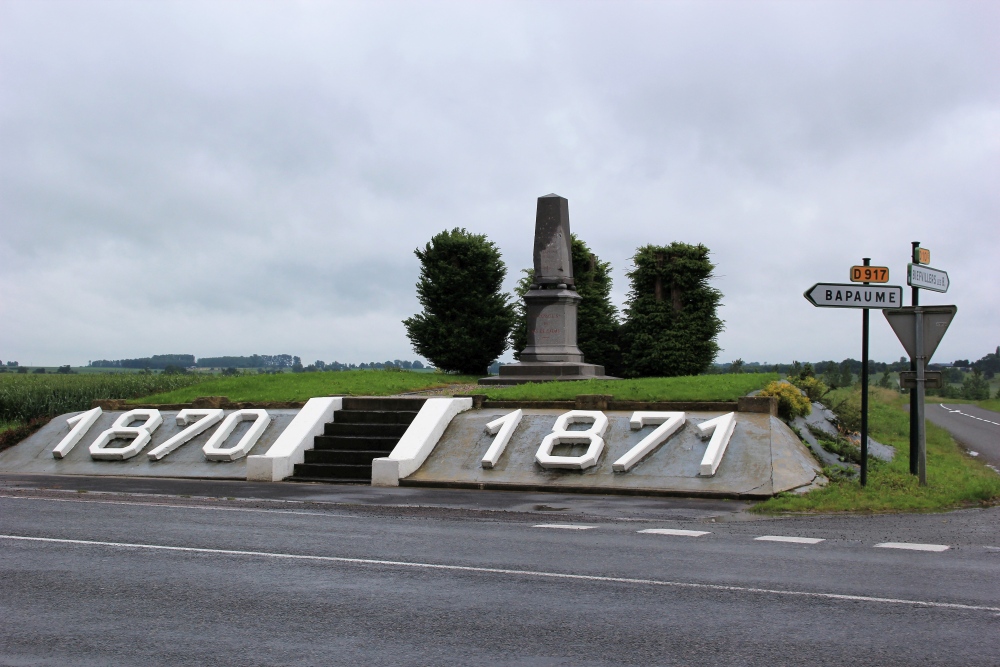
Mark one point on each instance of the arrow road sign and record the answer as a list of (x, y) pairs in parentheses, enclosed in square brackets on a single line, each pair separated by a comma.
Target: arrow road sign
[(925, 277), (838, 295), (935, 322)]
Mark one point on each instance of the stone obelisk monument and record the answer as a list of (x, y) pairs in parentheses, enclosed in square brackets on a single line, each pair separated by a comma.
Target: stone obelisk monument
[(551, 304)]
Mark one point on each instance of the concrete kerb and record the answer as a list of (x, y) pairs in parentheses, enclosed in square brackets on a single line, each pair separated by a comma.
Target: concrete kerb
[(418, 441), (289, 449)]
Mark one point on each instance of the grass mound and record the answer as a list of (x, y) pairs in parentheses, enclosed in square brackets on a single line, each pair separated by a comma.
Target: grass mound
[(687, 388), (303, 386), (953, 478)]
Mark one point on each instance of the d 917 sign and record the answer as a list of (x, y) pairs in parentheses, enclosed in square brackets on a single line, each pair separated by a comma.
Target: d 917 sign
[(869, 274)]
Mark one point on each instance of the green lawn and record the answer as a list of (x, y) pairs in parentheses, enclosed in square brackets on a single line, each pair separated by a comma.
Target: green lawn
[(688, 388), (953, 478), (303, 386)]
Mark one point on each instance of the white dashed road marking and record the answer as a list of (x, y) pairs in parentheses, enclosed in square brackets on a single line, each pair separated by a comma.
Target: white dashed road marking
[(674, 531), (912, 546), (566, 526), (785, 538), (959, 412), (508, 572)]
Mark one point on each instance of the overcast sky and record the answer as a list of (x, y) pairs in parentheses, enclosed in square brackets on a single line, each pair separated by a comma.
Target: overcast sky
[(235, 177)]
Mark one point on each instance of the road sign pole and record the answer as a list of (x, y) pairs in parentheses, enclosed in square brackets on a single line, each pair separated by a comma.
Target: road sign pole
[(921, 379), (914, 453), (864, 390)]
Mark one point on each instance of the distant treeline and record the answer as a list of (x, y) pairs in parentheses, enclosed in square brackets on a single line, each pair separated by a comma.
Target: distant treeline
[(158, 361), (264, 361)]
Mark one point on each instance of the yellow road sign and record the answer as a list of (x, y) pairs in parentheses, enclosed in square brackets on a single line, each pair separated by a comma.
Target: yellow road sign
[(922, 256), (869, 274)]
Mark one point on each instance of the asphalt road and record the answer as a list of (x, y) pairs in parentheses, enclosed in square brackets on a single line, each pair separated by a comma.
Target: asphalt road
[(429, 578), (978, 430)]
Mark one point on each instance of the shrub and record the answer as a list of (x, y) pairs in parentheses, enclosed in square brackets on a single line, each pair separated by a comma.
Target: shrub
[(466, 319), (791, 402), (814, 387), (975, 387), (671, 325)]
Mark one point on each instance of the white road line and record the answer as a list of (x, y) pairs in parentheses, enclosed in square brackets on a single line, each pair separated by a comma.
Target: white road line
[(912, 546), (565, 526), (959, 412), (186, 507), (674, 531), (786, 538), (520, 573)]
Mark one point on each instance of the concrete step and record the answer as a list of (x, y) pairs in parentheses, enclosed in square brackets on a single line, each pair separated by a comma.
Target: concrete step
[(355, 443), (334, 471), (374, 416), (352, 457), (331, 480), (366, 430), (383, 403)]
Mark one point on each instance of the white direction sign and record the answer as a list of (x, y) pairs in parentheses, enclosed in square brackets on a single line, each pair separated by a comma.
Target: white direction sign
[(839, 295), (935, 322), (925, 277)]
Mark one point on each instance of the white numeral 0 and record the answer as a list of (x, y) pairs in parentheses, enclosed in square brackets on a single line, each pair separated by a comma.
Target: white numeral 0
[(212, 449)]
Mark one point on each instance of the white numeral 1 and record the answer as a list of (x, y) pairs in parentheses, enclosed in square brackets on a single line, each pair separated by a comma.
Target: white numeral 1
[(591, 437), (140, 435), (81, 424), (208, 418), (502, 428), (669, 423), (212, 449), (721, 429)]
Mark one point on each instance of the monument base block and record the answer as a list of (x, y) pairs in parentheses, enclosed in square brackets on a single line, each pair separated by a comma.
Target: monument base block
[(541, 371)]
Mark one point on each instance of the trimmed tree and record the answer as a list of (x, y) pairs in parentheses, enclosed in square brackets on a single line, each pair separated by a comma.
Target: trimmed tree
[(670, 324), (466, 319), (597, 325)]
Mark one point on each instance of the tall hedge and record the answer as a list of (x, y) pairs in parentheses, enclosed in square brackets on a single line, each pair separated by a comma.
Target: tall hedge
[(597, 318), (671, 325), (466, 319)]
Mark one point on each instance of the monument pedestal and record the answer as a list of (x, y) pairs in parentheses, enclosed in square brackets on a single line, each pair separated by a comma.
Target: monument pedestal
[(551, 353)]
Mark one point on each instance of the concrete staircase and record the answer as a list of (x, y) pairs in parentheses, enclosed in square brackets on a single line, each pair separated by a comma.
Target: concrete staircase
[(363, 430)]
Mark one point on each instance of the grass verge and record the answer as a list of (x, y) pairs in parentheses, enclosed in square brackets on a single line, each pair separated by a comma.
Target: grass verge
[(303, 386), (953, 478), (687, 388)]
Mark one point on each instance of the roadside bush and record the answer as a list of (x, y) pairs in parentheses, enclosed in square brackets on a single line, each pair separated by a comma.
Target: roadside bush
[(975, 387), (814, 387), (791, 402)]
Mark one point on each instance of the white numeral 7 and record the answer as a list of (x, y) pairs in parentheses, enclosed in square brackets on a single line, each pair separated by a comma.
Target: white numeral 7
[(669, 423), (208, 418)]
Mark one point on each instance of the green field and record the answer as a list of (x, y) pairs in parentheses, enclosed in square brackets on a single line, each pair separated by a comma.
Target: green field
[(303, 386), (24, 397), (688, 388), (953, 478)]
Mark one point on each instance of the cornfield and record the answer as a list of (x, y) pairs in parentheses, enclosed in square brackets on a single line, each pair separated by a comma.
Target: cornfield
[(26, 397)]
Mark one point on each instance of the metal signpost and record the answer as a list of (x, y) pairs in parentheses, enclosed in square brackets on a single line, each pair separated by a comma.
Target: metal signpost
[(920, 330), (920, 276), (866, 297)]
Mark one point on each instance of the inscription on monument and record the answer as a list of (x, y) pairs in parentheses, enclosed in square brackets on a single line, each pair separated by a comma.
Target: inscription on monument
[(553, 257)]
